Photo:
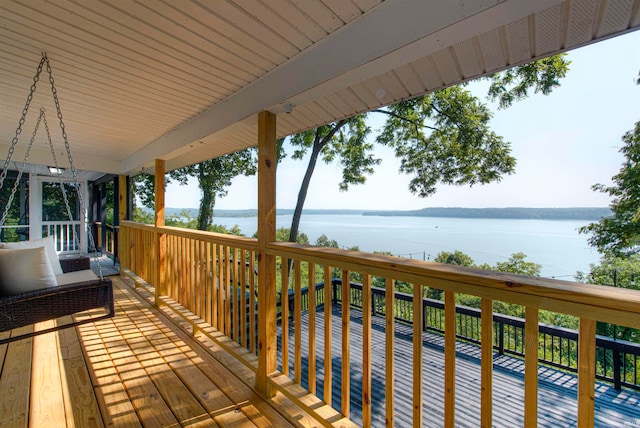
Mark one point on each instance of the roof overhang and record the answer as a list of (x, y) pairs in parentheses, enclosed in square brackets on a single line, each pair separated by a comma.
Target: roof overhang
[(140, 81)]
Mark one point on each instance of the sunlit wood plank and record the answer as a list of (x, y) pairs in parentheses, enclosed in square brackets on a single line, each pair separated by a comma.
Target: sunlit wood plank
[(449, 358), (284, 308), (227, 290), (346, 342), (243, 297), (328, 303), (297, 322), (252, 302), (366, 350), (267, 162), (389, 351), (417, 354), (486, 395), (312, 328), (586, 372), (531, 368)]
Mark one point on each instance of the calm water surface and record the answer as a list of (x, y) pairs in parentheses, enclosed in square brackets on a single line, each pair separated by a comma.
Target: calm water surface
[(554, 244)]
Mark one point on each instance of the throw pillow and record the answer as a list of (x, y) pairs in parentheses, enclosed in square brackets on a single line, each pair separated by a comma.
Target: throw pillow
[(25, 270), (47, 243)]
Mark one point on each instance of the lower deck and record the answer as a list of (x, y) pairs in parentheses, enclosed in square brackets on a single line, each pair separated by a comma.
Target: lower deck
[(136, 369)]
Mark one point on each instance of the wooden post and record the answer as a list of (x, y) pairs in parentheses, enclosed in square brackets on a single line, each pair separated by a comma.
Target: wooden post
[(266, 263), (122, 198), (123, 209), (486, 394), (531, 368), (450, 359), (160, 237), (586, 372)]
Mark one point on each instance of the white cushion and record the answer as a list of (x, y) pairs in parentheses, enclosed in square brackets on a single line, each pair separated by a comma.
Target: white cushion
[(25, 270), (47, 243), (76, 276)]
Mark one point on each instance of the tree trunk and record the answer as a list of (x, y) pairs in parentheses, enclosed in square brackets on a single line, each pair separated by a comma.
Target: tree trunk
[(304, 187), (205, 214), (302, 195)]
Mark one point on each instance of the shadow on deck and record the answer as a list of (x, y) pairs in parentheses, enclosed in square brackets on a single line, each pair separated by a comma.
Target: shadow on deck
[(557, 396)]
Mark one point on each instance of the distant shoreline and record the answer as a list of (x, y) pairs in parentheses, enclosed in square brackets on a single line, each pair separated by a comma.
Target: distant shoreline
[(576, 213)]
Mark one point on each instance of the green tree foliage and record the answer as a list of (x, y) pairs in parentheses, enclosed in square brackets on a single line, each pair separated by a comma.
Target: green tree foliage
[(142, 216), (214, 177), (517, 263), (615, 271), (14, 217), (457, 258), (515, 84), (620, 233), (442, 137), (324, 241)]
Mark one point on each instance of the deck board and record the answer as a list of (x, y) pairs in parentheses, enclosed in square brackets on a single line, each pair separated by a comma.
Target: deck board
[(557, 390), (133, 370)]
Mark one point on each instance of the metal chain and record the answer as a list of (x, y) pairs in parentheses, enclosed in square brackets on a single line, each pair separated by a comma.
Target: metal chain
[(25, 110), (21, 171), (59, 174), (74, 174)]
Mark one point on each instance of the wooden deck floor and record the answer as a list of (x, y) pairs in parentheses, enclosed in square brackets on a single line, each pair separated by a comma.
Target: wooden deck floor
[(557, 390), (135, 369)]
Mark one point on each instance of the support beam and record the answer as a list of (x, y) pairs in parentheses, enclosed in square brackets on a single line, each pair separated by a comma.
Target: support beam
[(123, 199), (123, 210), (161, 258), (266, 263)]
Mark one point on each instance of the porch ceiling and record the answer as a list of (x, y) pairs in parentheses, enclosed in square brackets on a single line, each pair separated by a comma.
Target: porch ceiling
[(183, 81)]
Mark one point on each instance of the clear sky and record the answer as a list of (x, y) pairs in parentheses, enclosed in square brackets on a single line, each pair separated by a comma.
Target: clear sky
[(564, 143)]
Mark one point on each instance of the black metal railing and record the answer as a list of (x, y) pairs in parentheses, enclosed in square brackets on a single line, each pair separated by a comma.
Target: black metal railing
[(618, 361)]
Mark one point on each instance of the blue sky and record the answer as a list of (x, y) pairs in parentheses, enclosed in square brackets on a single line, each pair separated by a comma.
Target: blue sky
[(564, 143)]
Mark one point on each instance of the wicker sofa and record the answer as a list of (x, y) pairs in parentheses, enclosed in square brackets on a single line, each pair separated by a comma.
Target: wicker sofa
[(75, 290)]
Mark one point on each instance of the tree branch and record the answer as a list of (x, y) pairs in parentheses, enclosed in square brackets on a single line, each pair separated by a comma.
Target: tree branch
[(406, 119)]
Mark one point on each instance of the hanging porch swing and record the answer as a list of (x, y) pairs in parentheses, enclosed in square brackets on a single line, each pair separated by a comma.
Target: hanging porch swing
[(29, 287)]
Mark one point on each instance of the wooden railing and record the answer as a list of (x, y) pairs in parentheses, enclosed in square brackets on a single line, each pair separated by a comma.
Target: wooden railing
[(66, 235), (618, 361), (590, 303), (210, 274), (106, 238)]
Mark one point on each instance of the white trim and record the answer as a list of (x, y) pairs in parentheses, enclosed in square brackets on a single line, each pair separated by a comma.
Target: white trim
[(35, 207)]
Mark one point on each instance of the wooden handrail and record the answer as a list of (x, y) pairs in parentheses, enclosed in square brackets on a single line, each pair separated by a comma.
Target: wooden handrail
[(202, 274), (598, 302)]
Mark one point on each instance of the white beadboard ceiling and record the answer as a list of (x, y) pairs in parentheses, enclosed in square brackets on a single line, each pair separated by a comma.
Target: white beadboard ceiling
[(183, 80)]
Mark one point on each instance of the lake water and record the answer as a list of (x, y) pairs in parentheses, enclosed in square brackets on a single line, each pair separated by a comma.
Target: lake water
[(554, 244)]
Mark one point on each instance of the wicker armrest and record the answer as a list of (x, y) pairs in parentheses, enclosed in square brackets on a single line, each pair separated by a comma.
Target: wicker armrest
[(54, 302), (72, 264)]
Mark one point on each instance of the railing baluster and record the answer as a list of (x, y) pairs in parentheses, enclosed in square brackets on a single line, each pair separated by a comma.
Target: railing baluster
[(531, 368), (346, 339), (328, 301), (227, 290), (284, 317), (242, 286), (312, 328), (486, 395), (366, 350), (235, 295), (221, 287), (586, 372), (297, 322), (449, 358), (208, 275), (252, 303), (389, 351), (417, 354)]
